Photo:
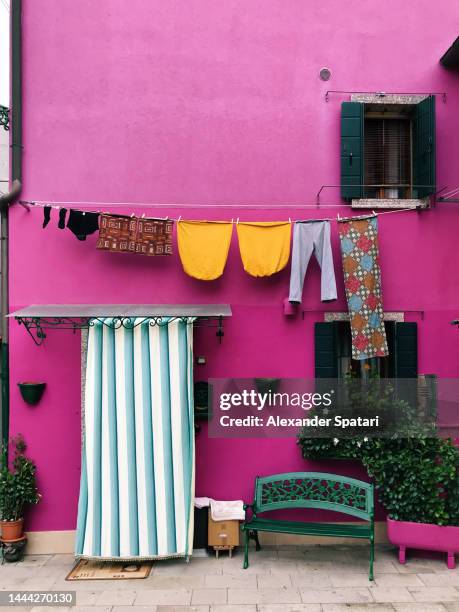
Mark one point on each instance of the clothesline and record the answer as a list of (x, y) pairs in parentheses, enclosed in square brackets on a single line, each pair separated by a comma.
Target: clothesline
[(60, 205)]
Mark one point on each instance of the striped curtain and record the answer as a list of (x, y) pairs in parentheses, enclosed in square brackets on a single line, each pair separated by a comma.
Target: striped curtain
[(137, 480)]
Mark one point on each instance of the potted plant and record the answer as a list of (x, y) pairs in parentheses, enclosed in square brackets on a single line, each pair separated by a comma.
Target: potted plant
[(31, 391), (17, 489), (417, 481)]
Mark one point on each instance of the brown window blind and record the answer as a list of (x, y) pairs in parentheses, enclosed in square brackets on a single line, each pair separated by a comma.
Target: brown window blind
[(387, 158)]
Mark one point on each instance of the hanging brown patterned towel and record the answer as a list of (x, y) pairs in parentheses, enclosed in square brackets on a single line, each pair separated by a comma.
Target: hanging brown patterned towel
[(146, 236)]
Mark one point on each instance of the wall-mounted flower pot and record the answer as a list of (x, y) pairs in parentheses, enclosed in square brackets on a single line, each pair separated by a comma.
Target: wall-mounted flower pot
[(424, 536), (31, 391), (12, 530)]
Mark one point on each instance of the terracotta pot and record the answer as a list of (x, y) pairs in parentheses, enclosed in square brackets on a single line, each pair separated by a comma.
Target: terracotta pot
[(11, 530), (424, 536)]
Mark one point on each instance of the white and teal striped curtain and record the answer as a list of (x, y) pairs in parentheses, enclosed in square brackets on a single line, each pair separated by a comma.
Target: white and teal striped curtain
[(137, 480)]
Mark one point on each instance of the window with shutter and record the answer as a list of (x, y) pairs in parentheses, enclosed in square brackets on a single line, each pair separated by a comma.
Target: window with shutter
[(387, 158), (333, 352), (388, 150)]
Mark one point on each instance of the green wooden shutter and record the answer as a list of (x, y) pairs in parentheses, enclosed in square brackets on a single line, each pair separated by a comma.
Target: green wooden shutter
[(424, 148), (352, 150), (325, 347), (406, 350)]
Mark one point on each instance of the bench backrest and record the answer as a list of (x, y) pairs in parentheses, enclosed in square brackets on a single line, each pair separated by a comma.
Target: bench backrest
[(314, 490)]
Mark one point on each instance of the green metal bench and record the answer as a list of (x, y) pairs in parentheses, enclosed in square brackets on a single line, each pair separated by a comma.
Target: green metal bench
[(311, 490)]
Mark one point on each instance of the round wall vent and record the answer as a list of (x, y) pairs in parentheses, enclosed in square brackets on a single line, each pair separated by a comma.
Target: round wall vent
[(324, 74)]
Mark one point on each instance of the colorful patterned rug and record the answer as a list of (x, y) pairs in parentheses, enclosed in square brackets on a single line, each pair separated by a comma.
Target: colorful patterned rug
[(362, 281)]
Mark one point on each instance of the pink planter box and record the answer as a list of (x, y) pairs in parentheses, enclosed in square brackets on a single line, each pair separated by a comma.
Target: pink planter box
[(424, 536)]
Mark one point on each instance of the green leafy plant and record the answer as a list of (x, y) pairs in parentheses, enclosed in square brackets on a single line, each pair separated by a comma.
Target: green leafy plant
[(416, 475), (17, 481)]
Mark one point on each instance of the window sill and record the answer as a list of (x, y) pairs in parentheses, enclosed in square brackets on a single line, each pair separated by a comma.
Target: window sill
[(374, 203)]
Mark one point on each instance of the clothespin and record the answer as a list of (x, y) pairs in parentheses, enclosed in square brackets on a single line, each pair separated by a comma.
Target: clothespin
[(237, 221), (289, 220), (374, 214), (143, 215), (178, 220), (339, 218)]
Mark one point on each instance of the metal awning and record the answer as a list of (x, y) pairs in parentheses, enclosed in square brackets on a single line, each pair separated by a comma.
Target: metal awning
[(451, 58), (38, 317)]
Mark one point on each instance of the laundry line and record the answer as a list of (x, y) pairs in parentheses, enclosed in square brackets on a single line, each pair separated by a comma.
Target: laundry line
[(338, 218)]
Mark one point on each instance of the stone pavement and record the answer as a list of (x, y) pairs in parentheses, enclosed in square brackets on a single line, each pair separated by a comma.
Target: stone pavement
[(283, 579)]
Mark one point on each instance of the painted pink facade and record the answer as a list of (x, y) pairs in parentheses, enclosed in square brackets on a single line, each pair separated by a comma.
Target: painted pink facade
[(204, 102)]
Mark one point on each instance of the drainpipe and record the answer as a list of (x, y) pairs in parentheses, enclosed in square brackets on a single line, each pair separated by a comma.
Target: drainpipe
[(5, 201)]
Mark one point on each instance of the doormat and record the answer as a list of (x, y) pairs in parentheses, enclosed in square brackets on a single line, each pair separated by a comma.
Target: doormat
[(109, 570)]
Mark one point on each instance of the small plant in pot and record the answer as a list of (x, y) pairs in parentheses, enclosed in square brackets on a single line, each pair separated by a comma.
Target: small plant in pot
[(17, 489)]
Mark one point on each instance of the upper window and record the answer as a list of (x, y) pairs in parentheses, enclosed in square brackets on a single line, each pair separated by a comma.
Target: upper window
[(387, 157), (388, 150)]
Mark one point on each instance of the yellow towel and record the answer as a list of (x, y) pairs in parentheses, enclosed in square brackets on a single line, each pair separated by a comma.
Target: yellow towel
[(203, 247), (264, 247)]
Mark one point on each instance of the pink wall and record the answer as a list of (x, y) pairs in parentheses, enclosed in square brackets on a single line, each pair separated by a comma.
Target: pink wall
[(208, 102)]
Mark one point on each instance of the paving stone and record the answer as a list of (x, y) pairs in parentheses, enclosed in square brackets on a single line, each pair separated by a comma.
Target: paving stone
[(318, 580), (290, 608), (196, 566), (92, 608), (164, 597), (419, 607), (116, 598), (235, 608), (369, 607), (34, 584), (134, 609), (354, 580), (48, 609), (159, 581), (445, 578), (339, 595), (86, 598), (59, 560), (180, 608), (390, 580), (263, 596), (391, 594), (274, 581), (438, 594), (209, 596), (231, 581), (35, 560)]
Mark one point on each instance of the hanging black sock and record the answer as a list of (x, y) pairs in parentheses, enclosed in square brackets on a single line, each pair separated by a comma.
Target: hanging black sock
[(46, 215), (62, 213)]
